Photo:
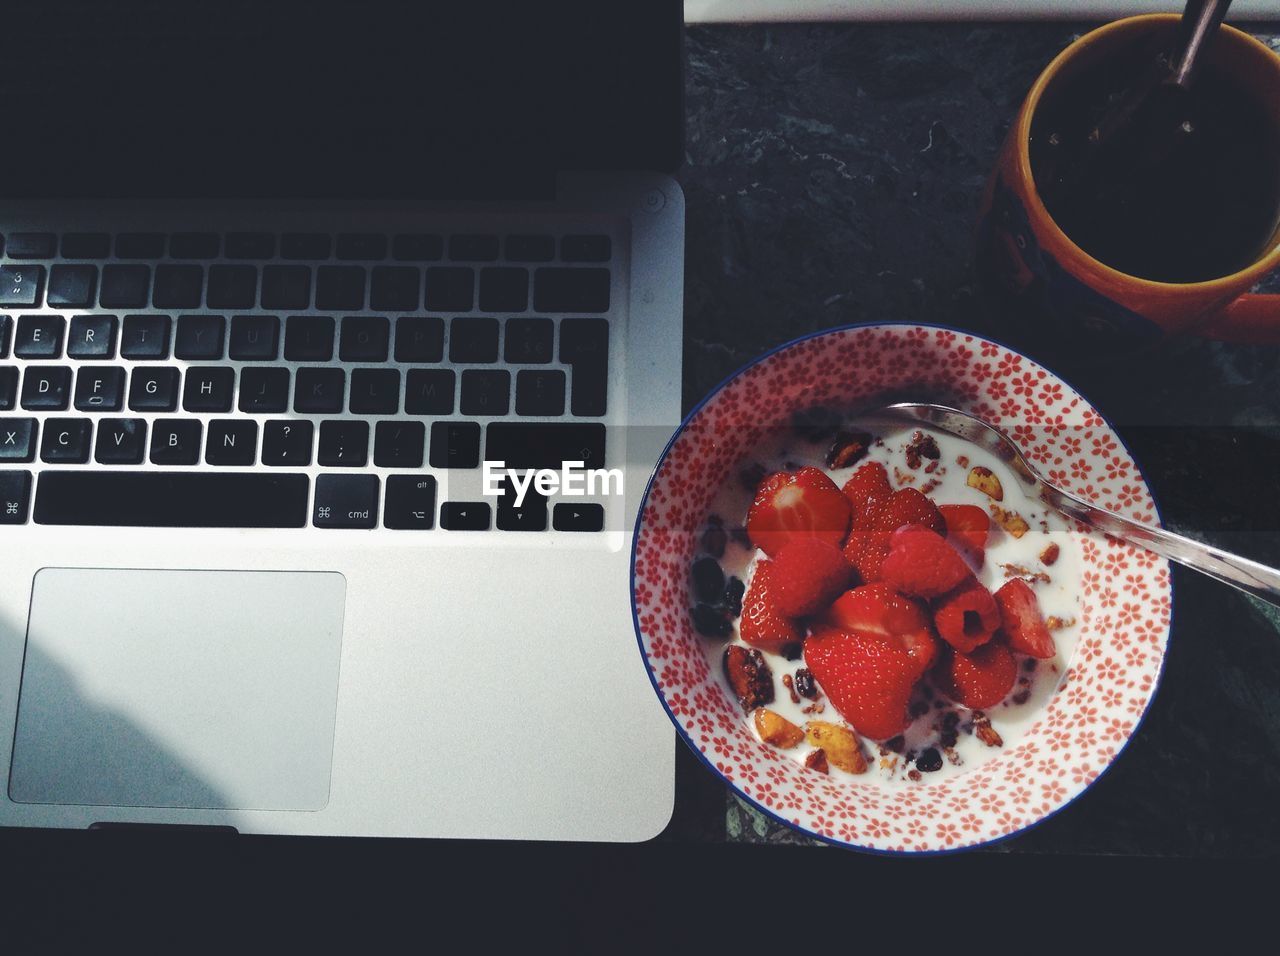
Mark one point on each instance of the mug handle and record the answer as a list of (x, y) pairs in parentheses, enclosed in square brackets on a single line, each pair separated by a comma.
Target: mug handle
[(1249, 320)]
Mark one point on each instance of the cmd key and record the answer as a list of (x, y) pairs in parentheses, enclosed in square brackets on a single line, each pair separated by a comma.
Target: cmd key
[(15, 493)]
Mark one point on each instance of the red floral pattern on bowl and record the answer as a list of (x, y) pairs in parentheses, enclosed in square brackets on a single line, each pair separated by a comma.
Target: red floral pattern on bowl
[(1124, 600)]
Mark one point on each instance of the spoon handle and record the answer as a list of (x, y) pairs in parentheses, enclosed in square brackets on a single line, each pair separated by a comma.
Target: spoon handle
[(1249, 576), (1200, 22)]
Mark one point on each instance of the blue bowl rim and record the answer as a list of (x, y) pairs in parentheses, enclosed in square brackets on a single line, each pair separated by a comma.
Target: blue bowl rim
[(683, 734)]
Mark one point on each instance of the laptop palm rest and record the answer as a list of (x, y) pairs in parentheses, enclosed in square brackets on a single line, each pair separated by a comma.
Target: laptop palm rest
[(183, 689)]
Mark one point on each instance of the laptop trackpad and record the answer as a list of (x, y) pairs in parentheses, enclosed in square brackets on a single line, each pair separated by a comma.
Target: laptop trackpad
[(197, 689)]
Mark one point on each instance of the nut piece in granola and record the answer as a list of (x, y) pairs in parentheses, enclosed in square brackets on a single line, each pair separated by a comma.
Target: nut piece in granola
[(920, 447), (1050, 554), (848, 449), (749, 677), (983, 730), (776, 729), (842, 746), (1011, 521), (817, 760), (985, 480)]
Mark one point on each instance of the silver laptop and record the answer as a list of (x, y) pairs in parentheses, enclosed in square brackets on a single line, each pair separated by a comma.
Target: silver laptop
[(281, 285)]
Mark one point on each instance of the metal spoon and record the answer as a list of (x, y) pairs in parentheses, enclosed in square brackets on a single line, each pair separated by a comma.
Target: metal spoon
[(1249, 576)]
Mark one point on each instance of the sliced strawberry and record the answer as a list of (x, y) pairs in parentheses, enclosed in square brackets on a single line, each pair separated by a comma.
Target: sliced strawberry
[(868, 543), (879, 609), (966, 616), (978, 680), (1021, 621), (866, 486), (808, 573), (867, 677), (967, 529), (920, 563), (762, 625), (802, 504)]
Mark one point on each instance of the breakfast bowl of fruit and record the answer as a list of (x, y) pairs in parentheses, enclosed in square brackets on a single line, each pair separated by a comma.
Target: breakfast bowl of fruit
[(870, 628)]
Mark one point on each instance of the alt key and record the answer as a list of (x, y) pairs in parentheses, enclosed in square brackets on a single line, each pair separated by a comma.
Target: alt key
[(411, 502), (346, 501)]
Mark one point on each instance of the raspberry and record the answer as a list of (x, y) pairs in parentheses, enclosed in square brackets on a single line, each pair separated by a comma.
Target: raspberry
[(966, 616), (868, 543), (921, 563)]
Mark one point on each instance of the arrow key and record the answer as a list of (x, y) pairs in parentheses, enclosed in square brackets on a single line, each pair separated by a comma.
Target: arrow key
[(464, 516), (578, 517)]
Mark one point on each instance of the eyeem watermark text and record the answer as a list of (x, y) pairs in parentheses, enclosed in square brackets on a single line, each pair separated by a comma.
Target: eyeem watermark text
[(573, 480)]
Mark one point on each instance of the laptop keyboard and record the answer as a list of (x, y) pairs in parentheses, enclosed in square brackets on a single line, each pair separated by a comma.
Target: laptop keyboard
[(264, 380)]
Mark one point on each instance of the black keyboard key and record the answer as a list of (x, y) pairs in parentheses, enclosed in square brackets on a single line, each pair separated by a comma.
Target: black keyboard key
[(571, 290), (233, 287), (540, 392), (586, 248), (362, 246), (399, 444), (287, 443), (343, 444), (298, 245), (145, 337), (308, 338), (250, 245), (264, 390), (124, 287), (66, 441), (208, 389), (72, 286), (473, 248), (177, 287), (486, 392), (305, 246), (175, 441), (528, 341), (20, 285), (99, 389), (4, 336), (418, 339), (92, 337), (194, 245), (86, 245), (411, 503), (121, 441), (545, 444), (375, 391), (449, 288), (8, 387), (31, 245), (39, 336), (569, 516), (200, 337), (584, 345), (465, 516), (139, 245), (429, 391), (286, 287), (529, 515), (231, 442), (504, 289), (15, 496), (473, 340), (413, 247), (161, 499), (455, 445), (17, 439), (531, 248), (340, 287), (319, 390), (254, 338), (46, 387), (365, 339), (346, 501), (395, 289), (153, 388)]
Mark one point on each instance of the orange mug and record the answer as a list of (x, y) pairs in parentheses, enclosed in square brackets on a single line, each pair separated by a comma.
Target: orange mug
[(1025, 256)]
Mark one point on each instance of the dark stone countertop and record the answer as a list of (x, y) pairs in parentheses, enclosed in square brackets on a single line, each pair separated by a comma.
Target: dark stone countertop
[(832, 177)]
